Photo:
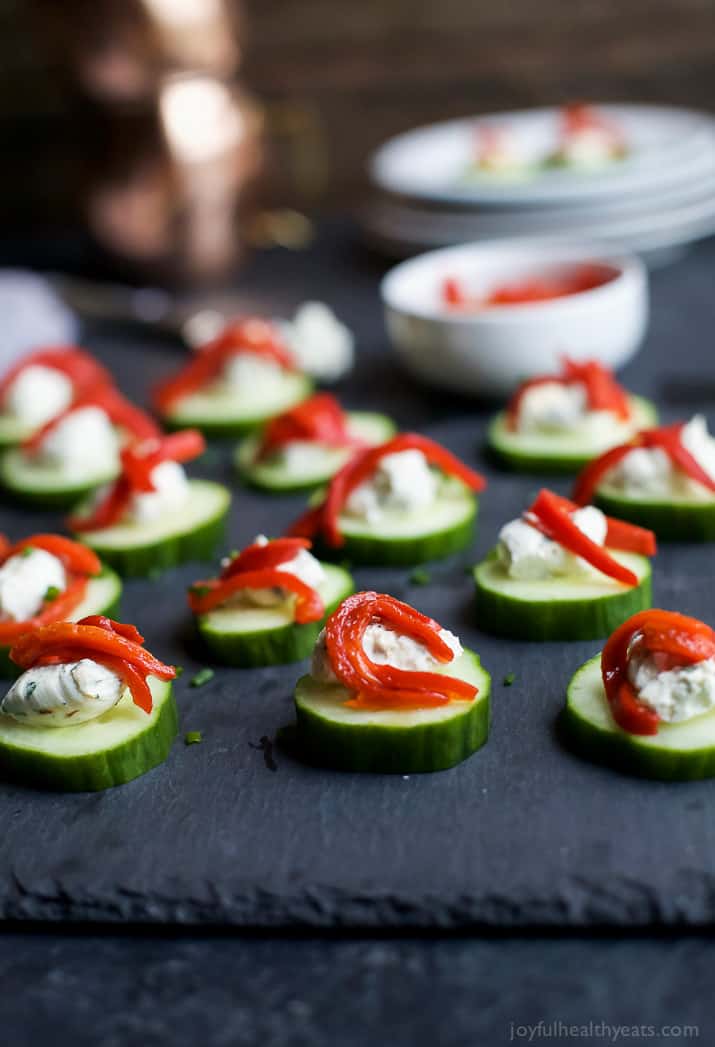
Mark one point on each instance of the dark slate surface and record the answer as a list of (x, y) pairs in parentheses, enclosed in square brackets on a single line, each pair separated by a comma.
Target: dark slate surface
[(522, 834), (152, 992)]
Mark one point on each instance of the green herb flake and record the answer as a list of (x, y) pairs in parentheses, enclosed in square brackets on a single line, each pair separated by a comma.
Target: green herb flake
[(52, 592), (509, 679), (30, 689), (199, 590), (27, 551), (420, 576), (178, 669), (201, 677), (193, 738)]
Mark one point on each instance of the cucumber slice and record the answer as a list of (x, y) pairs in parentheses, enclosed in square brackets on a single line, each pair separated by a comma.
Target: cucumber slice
[(369, 426), (268, 635), (575, 608), (676, 520), (193, 533), (678, 752), (102, 597), (32, 482), (224, 412), (110, 750), (12, 431), (403, 538), (557, 452), (400, 742)]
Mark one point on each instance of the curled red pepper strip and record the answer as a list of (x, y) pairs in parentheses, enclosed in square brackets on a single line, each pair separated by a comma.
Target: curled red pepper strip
[(251, 335), (549, 515), (257, 557), (667, 438), (100, 639), (309, 606), (603, 393), (376, 686), (119, 410), (324, 519), (80, 367), (319, 419), (684, 640), (626, 537)]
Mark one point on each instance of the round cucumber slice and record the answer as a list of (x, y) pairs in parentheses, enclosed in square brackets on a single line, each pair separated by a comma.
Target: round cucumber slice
[(573, 608), (12, 431), (400, 742), (676, 520), (193, 533), (32, 482), (557, 452), (269, 476), (258, 636), (111, 750), (226, 412), (678, 752), (403, 538), (102, 597)]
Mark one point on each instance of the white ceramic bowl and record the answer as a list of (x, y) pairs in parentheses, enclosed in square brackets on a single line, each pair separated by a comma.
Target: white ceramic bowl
[(489, 353)]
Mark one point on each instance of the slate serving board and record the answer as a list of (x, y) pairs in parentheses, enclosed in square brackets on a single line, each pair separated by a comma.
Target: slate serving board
[(524, 833)]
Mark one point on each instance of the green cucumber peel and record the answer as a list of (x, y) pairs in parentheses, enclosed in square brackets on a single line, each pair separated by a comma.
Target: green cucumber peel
[(679, 520), (219, 413), (33, 483)]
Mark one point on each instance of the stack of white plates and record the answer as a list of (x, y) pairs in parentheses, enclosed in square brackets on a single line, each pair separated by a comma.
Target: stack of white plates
[(656, 201)]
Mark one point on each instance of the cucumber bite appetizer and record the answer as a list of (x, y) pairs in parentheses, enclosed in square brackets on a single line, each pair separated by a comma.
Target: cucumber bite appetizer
[(268, 604), (559, 422), (588, 139), (307, 444), (390, 690), (153, 516), (236, 382), (48, 578), (91, 709), (76, 451), (42, 384), (663, 478), (647, 703), (563, 573), (403, 502)]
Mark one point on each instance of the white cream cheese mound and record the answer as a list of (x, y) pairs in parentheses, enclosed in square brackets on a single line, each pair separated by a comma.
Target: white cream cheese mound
[(322, 346), (554, 408), (171, 493), (252, 374), (647, 472), (403, 481), (303, 565), (38, 394), (62, 695), (24, 582), (674, 694), (302, 456), (84, 443), (590, 147), (385, 647), (529, 555)]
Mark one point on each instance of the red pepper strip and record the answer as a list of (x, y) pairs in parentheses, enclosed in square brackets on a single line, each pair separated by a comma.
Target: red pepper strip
[(5, 546), (56, 610), (309, 606), (106, 512), (362, 466), (129, 632), (603, 393), (246, 336), (453, 293), (626, 537), (561, 528), (258, 557), (75, 557), (685, 640), (118, 409), (590, 477), (378, 686), (80, 367), (668, 437), (308, 524), (320, 418)]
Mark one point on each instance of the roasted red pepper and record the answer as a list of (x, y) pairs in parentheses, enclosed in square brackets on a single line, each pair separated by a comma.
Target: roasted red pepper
[(323, 520), (118, 647), (627, 537), (251, 335), (376, 686), (80, 367), (121, 413), (320, 419), (683, 640), (667, 438), (603, 393), (138, 461), (581, 278), (80, 564), (257, 567)]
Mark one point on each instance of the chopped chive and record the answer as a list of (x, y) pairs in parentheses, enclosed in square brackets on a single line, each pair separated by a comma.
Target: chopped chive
[(201, 677), (178, 669), (420, 576), (52, 592), (509, 679), (27, 551), (192, 738)]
